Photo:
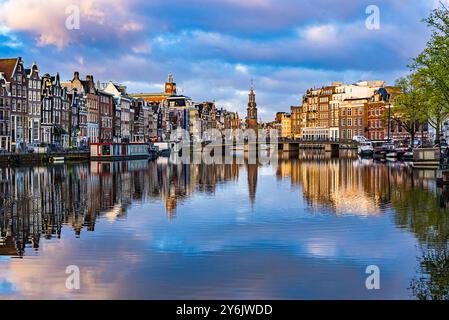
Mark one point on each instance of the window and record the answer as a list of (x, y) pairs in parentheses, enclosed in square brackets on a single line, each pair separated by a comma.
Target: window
[(349, 111), (349, 122)]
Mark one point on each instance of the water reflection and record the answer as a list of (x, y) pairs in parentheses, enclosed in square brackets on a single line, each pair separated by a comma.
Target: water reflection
[(39, 201), (305, 211)]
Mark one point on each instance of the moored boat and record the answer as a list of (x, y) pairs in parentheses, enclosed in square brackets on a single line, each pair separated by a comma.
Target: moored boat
[(118, 151), (408, 156), (365, 149), (426, 158)]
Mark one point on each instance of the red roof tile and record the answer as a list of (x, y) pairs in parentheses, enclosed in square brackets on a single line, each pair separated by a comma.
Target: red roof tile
[(7, 66)]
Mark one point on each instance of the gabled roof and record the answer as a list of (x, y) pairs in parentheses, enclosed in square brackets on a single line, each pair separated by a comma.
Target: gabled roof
[(120, 88), (7, 66)]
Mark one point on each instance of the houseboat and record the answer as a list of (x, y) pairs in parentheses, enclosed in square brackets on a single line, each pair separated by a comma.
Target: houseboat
[(119, 151), (427, 158)]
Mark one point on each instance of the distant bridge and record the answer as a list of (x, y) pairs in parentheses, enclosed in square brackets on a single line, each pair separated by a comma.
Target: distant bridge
[(293, 145)]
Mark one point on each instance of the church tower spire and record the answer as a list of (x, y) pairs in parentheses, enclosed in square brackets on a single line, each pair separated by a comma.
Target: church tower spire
[(251, 119)]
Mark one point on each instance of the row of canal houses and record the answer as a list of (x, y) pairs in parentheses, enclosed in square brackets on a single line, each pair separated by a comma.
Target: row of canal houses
[(42, 110)]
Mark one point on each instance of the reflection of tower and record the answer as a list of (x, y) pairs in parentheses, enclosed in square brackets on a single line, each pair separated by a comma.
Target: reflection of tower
[(170, 207), (252, 171), (251, 119)]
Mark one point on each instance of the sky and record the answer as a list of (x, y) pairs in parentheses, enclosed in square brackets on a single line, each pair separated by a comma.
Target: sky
[(215, 47)]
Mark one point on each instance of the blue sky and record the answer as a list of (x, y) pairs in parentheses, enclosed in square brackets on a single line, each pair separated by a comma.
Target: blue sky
[(214, 47)]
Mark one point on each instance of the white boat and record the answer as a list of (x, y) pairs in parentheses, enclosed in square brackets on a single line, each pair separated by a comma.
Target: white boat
[(365, 149)]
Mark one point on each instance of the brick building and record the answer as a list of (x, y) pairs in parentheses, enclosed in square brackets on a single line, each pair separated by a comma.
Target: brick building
[(34, 104), (353, 118), (5, 112), (296, 121), (16, 80), (106, 116)]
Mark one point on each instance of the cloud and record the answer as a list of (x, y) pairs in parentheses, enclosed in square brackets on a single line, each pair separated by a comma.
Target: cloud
[(246, 4), (241, 68), (46, 20), (216, 47), (321, 34), (9, 40)]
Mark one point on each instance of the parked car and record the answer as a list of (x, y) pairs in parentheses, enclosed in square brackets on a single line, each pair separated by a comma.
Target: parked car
[(359, 139)]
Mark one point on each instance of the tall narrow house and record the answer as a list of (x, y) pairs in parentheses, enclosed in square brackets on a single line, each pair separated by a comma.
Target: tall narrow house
[(52, 131), (34, 104), (16, 82), (5, 116)]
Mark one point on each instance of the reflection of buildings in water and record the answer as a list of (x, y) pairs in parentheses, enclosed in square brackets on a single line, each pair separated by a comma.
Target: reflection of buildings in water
[(344, 185), (183, 180), (39, 201)]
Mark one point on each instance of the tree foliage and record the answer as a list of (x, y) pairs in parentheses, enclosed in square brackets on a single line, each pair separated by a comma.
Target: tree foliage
[(426, 89)]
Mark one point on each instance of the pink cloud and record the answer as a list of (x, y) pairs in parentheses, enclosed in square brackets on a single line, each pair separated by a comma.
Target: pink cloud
[(46, 19)]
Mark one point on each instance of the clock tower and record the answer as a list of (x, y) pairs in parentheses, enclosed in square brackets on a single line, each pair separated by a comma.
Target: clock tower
[(251, 119), (170, 85)]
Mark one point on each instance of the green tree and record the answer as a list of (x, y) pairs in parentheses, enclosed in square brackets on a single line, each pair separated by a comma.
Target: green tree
[(434, 104), (431, 68), (408, 108)]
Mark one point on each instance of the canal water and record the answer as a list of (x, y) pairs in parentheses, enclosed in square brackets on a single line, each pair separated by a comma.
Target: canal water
[(302, 228)]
